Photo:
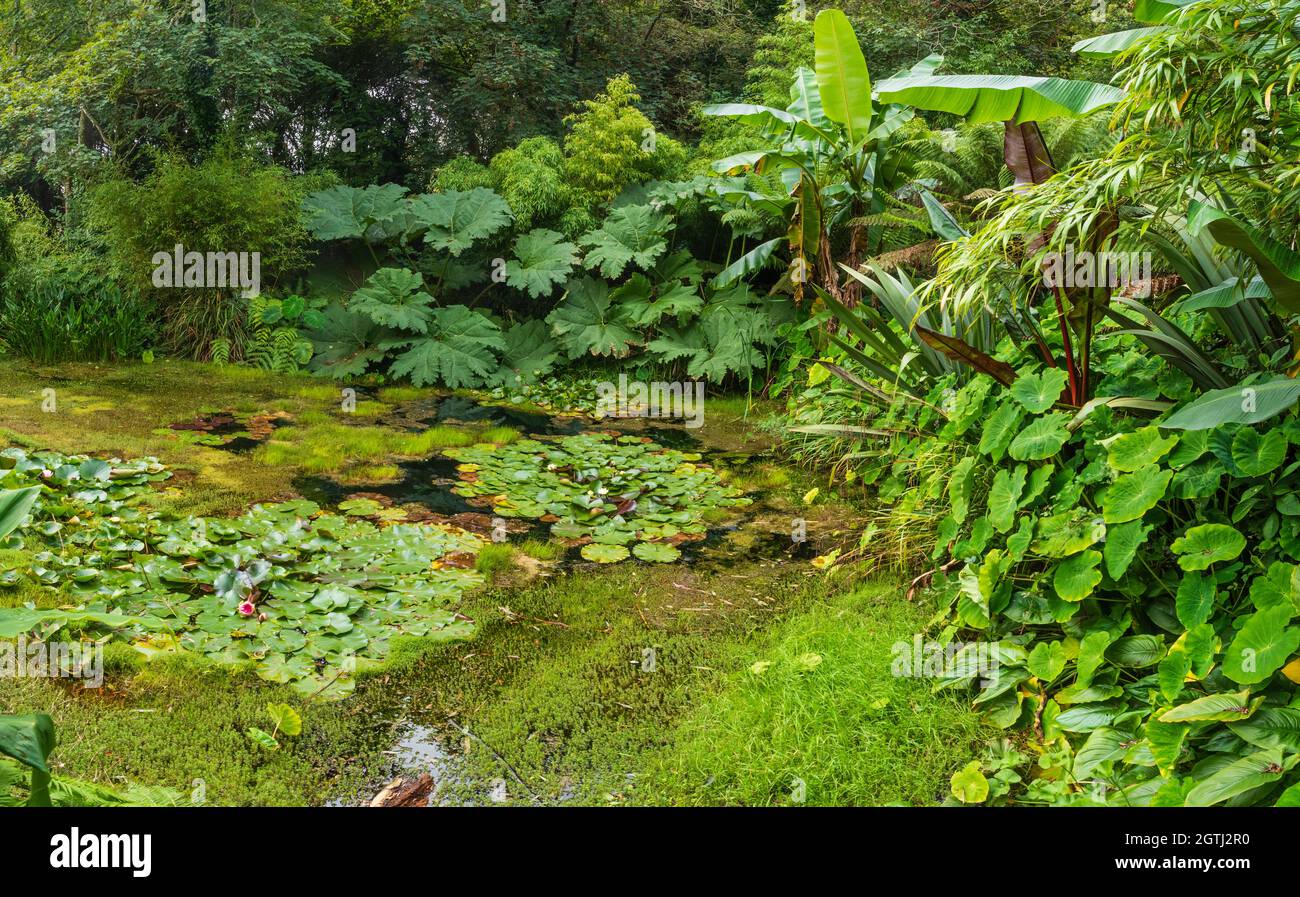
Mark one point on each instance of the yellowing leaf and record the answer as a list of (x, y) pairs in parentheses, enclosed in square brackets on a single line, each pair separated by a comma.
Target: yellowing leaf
[(808, 662), (1292, 670), (969, 786)]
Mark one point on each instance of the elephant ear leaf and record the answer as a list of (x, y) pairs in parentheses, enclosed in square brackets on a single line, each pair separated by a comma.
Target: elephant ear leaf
[(543, 259), (286, 719), (1278, 265), (454, 221), (842, 79), (1262, 645), (1039, 392), (28, 739), (1255, 771)]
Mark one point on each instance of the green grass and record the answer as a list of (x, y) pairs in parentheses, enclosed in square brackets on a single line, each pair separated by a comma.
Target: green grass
[(397, 394), (495, 558), (549, 550), (827, 712), (179, 721), (434, 438), (499, 435), (555, 684)]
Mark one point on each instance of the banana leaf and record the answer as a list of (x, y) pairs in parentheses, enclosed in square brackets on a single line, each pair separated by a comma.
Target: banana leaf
[(1026, 154), (960, 350), (1278, 265), (842, 79), (1116, 42), (1014, 98)]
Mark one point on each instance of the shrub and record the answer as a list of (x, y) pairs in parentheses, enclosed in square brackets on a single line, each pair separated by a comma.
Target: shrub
[(75, 316), (607, 147), (530, 178), (8, 218), (461, 173), (59, 303), (225, 204)]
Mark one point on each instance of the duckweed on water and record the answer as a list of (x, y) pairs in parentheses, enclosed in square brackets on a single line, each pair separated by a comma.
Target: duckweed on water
[(603, 492), (303, 597)]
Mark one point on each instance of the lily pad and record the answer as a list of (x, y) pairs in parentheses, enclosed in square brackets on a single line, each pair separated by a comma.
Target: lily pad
[(604, 554), (656, 552)]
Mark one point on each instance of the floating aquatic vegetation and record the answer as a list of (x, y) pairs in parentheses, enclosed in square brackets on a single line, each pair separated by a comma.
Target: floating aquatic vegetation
[(603, 492), (558, 396), (304, 597), (222, 427)]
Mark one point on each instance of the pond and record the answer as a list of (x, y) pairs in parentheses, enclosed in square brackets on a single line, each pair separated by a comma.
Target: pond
[(593, 583)]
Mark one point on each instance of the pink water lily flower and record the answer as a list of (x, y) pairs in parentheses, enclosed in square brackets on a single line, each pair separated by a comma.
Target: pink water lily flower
[(247, 609)]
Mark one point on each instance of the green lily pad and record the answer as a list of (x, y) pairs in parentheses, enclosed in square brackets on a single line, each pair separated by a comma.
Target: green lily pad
[(604, 554), (656, 552)]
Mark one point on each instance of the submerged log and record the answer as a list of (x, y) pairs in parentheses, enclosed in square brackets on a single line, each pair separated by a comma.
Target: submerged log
[(405, 792)]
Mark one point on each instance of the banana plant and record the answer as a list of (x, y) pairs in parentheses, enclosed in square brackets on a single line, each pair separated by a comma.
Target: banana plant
[(1153, 13), (1219, 286), (1021, 102), (834, 158), (902, 342)]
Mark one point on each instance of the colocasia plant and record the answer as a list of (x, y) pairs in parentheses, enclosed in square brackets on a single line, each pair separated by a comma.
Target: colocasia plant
[(1141, 580)]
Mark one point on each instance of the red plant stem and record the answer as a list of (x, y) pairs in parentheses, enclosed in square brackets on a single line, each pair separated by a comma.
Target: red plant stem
[(1069, 348), (1043, 350)]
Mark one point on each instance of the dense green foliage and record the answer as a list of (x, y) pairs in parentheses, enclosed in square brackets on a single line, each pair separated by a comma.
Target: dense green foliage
[(1110, 515), (870, 210)]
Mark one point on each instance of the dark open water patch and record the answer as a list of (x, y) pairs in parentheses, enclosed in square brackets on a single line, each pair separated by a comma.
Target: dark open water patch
[(426, 482), (453, 410)]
